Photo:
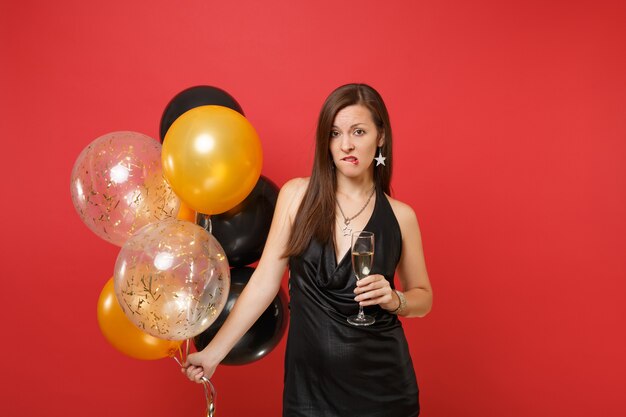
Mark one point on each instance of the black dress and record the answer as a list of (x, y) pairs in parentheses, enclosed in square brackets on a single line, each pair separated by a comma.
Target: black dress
[(331, 367)]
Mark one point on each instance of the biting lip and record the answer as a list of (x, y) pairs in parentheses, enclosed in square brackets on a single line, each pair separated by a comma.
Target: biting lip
[(351, 159)]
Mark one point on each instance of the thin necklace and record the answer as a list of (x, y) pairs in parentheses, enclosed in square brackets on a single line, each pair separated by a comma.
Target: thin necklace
[(346, 220)]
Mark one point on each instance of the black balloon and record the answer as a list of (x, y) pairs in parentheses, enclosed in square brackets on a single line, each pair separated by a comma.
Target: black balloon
[(242, 230), (264, 334), (201, 95)]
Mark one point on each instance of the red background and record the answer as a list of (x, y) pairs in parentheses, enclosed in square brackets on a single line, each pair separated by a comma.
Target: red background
[(510, 129)]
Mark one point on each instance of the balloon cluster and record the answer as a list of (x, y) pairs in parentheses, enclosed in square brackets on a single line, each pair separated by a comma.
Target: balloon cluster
[(172, 279)]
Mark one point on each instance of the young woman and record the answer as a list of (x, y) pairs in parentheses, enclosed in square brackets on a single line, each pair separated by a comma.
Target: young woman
[(333, 368)]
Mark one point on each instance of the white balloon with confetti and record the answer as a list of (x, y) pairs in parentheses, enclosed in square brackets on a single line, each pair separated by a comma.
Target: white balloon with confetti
[(172, 279), (117, 185)]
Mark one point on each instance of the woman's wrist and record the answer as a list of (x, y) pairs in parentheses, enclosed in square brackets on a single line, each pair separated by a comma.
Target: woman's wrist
[(401, 303), (212, 353)]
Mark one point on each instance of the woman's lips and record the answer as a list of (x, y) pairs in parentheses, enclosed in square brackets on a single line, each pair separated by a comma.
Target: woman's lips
[(351, 159)]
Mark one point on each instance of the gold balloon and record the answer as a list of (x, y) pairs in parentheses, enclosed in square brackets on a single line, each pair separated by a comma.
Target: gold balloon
[(124, 336), (212, 158)]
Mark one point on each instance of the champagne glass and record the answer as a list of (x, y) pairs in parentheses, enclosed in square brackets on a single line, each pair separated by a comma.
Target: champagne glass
[(362, 250)]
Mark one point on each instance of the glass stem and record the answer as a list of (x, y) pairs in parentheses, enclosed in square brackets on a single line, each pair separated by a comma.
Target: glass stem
[(360, 315)]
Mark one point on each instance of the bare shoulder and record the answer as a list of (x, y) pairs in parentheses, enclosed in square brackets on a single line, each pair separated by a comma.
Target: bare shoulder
[(296, 186), (291, 194), (404, 213)]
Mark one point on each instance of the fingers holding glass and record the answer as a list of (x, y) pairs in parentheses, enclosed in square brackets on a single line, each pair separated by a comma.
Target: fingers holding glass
[(376, 291)]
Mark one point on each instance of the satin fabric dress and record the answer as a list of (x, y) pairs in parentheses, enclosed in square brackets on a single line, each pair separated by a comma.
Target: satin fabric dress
[(331, 367)]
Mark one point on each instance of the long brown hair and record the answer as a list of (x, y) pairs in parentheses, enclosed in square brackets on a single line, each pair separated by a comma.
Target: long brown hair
[(318, 204)]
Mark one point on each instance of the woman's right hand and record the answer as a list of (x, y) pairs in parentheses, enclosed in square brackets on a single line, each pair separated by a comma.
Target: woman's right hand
[(199, 365)]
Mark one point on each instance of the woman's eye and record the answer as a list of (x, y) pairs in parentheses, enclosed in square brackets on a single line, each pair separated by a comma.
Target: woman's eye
[(334, 134), (359, 132)]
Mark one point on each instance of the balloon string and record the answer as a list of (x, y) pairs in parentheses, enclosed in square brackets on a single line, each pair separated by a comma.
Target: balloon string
[(181, 355), (204, 221), (210, 399)]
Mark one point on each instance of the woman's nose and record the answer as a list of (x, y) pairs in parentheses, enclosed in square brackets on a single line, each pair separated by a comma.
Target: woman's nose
[(346, 144)]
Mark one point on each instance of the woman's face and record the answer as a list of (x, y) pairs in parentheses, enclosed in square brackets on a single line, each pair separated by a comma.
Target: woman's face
[(353, 141)]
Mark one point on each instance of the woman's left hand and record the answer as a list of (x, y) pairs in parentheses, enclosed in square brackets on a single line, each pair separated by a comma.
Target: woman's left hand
[(375, 289)]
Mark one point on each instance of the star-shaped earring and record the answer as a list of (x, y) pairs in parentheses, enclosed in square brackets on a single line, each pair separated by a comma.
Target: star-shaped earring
[(380, 159)]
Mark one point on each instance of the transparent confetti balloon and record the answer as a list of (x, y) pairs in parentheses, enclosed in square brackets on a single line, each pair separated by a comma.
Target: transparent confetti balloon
[(172, 279), (117, 185)]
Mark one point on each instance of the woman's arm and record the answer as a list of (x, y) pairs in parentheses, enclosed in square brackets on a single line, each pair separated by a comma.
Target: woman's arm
[(375, 289), (259, 291), (412, 267)]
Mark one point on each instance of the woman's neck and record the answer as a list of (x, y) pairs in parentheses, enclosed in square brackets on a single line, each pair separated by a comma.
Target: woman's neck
[(354, 187)]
